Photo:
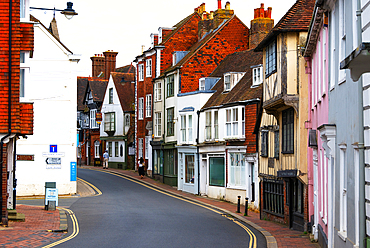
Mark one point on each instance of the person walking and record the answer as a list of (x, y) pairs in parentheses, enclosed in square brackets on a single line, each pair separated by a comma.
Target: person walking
[(106, 159), (141, 167)]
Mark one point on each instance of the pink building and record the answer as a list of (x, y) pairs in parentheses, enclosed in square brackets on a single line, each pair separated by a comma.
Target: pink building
[(316, 55)]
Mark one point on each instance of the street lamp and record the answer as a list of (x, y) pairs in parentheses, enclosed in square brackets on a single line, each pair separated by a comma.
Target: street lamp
[(68, 12)]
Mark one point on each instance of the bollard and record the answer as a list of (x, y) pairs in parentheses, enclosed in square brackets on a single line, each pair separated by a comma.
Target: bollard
[(238, 210), (246, 206)]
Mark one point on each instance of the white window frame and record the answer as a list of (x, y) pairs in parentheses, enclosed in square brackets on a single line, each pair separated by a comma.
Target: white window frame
[(342, 40), (93, 124), (183, 128), (147, 140), (141, 108), (148, 105), (190, 128), (141, 72), (215, 125), (257, 75), (148, 63), (235, 121), (24, 71), (158, 124), (140, 147), (231, 79), (228, 129), (202, 84), (127, 120), (236, 169), (208, 129), (25, 15), (97, 149), (158, 91), (111, 125)]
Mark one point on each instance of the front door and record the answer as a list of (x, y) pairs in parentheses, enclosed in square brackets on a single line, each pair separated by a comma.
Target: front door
[(296, 204)]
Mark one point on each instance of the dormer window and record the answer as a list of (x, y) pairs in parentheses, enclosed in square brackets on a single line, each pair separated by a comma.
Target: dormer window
[(231, 79), (257, 75), (202, 84)]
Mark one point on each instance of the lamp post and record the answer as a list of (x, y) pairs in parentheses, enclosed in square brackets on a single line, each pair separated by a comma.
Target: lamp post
[(68, 12)]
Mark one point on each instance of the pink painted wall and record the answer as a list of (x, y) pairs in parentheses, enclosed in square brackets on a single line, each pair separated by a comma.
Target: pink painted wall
[(317, 70)]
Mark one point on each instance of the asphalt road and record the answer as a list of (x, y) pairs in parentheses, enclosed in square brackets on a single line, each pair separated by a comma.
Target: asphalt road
[(128, 214)]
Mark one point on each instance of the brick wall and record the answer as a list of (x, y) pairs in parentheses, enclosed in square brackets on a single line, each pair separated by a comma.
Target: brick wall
[(232, 38), (250, 122)]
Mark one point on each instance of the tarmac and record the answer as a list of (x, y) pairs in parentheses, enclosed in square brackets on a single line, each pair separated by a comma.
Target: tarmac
[(43, 227)]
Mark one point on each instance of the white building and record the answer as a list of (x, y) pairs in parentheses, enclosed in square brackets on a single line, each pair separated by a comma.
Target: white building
[(48, 79)]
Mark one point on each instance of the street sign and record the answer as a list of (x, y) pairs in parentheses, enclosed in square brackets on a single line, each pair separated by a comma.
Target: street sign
[(25, 157), (53, 161), (53, 148), (73, 171)]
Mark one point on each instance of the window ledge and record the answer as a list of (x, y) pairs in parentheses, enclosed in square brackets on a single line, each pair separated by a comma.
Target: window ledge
[(343, 235), (325, 221)]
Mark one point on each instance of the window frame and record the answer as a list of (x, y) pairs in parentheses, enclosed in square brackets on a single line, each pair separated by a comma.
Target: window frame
[(264, 143), (140, 147), (189, 168), (271, 58), (236, 164), (141, 72), (273, 197), (257, 75), (170, 84), (202, 84), (110, 122), (110, 96), (148, 105), (208, 125), (148, 65), (288, 131), (141, 108), (158, 91), (24, 71), (170, 121), (93, 123), (96, 149), (158, 124)]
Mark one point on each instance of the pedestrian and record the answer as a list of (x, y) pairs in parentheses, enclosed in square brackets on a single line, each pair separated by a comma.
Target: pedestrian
[(106, 159), (141, 167)]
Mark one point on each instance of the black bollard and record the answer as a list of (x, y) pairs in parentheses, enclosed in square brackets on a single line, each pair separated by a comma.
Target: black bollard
[(238, 210), (246, 206)]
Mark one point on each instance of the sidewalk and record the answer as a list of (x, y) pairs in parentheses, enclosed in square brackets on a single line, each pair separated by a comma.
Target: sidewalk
[(283, 236)]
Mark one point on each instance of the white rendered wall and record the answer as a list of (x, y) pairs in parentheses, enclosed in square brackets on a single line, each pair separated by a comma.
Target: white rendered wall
[(52, 87)]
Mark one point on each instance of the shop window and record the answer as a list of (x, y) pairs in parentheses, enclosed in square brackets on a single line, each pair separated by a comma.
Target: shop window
[(189, 168), (217, 171), (273, 197)]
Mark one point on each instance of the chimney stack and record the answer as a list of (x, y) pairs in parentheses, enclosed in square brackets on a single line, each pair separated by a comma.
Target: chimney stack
[(110, 63), (98, 64), (260, 25)]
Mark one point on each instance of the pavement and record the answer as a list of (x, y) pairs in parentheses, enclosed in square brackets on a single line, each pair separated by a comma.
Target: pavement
[(44, 227)]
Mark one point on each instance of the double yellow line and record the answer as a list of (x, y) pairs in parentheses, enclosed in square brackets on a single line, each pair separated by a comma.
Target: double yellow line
[(75, 229)]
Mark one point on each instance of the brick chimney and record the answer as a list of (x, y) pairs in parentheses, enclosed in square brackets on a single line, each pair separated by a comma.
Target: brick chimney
[(260, 25), (110, 63), (98, 64), (222, 14)]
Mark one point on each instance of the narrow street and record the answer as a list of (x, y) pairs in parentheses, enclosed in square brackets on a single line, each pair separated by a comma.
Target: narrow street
[(128, 214)]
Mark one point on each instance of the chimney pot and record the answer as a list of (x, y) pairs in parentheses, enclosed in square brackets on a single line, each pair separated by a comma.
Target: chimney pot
[(219, 4), (227, 6)]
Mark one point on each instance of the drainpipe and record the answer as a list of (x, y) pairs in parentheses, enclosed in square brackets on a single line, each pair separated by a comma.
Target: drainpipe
[(198, 113), (9, 111), (362, 213)]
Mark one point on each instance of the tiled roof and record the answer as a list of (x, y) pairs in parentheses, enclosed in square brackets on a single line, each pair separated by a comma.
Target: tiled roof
[(242, 91), (125, 89), (98, 87), (297, 19), (126, 69), (177, 27), (197, 46), (81, 89)]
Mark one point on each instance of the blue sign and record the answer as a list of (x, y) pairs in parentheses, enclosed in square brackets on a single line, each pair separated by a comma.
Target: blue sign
[(73, 171), (51, 195), (53, 148)]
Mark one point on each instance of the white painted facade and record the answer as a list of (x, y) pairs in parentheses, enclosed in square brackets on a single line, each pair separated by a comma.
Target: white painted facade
[(50, 83)]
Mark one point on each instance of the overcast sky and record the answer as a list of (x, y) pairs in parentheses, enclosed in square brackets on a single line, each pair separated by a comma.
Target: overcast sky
[(125, 25)]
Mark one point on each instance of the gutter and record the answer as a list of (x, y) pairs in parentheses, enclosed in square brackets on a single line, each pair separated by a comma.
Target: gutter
[(9, 111)]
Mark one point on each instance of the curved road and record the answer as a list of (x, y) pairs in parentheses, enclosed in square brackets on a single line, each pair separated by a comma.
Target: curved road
[(130, 214)]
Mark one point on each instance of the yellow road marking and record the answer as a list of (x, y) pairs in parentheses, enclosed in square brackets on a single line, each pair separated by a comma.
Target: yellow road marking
[(92, 186), (253, 238), (75, 227)]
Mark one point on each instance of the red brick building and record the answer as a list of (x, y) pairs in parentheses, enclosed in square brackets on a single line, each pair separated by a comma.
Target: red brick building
[(150, 64), (16, 119)]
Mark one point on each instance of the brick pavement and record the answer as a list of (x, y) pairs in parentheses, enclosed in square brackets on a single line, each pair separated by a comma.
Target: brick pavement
[(33, 232), (284, 236)]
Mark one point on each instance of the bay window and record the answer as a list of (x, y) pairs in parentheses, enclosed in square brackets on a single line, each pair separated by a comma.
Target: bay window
[(110, 122), (208, 125)]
